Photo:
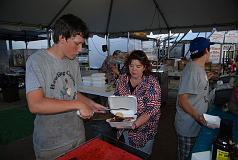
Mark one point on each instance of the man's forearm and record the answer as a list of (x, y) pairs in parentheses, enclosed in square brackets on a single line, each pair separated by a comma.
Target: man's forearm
[(52, 106), (187, 106), (85, 99)]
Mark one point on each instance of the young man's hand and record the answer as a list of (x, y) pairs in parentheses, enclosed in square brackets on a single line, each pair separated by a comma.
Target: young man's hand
[(201, 120), (86, 112), (98, 108), (210, 75)]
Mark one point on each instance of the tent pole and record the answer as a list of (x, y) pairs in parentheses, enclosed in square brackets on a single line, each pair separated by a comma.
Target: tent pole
[(48, 38), (213, 31), (26, 44), (223, 59), (107, 29), (10, 44), (59, 12), (128, 40), (107, 43), (158, 54), (109, 16), (161, 13), (168, 43), (176, 42), (141, 45)]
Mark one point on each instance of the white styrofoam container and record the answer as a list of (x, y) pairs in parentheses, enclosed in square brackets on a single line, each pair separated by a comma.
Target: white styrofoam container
[(98, 75), (98, 78), (87, 78), (205, 155), (121, 124), (129, 102), (87, 83), (99, 84)]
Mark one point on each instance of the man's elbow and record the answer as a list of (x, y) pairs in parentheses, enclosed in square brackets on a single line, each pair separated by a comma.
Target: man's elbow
[(34, 101), (181, 100), (33, 108)]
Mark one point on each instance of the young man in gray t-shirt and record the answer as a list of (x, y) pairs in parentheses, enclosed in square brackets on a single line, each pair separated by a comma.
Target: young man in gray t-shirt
[(192, 100), (52, 89)]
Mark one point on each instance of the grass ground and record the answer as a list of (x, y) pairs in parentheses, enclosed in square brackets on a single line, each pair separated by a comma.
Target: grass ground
[(15, 123)]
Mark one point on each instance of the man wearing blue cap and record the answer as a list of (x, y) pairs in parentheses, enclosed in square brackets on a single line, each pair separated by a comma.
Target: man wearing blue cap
[(192, 99)]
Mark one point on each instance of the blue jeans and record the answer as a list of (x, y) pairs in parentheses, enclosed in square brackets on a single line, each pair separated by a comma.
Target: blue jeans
[(147, 147)]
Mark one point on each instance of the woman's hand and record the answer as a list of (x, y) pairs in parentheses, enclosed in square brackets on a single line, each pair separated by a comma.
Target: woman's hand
[(134, 125)]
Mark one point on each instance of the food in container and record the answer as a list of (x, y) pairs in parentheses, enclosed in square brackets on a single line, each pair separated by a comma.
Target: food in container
[(124, 108)]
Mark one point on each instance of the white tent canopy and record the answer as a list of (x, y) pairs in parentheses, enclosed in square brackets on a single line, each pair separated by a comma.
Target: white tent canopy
[(118, 16)]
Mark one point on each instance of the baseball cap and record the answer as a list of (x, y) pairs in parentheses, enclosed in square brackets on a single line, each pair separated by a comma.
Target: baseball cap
[(197, 45)]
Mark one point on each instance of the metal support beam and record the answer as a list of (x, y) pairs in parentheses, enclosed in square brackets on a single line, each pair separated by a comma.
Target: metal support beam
[(109, 16), (48, 38), (10, 44), (175, 44), (128, 41), (59, 12), (26, 44), (161, 13), (168, 44)]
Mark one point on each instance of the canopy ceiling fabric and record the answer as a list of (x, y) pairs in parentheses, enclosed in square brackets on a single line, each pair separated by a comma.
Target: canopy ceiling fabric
[(119, 16), (26, 36)]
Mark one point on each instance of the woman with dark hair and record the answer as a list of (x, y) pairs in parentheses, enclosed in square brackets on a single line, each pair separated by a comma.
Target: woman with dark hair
[(140, 56), (139, 82)]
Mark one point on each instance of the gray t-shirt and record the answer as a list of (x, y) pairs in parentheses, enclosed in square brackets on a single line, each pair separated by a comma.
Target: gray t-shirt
[(194, 82), (58, 79)]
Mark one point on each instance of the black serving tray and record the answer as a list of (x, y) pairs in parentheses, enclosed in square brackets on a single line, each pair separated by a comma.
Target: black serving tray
[(125, 147)]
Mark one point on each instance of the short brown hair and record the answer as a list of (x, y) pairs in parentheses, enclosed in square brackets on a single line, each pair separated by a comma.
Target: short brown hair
[(141, 56), (69, 26)]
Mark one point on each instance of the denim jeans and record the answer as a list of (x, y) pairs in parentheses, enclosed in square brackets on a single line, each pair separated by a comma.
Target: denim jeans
[(147, 148)]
